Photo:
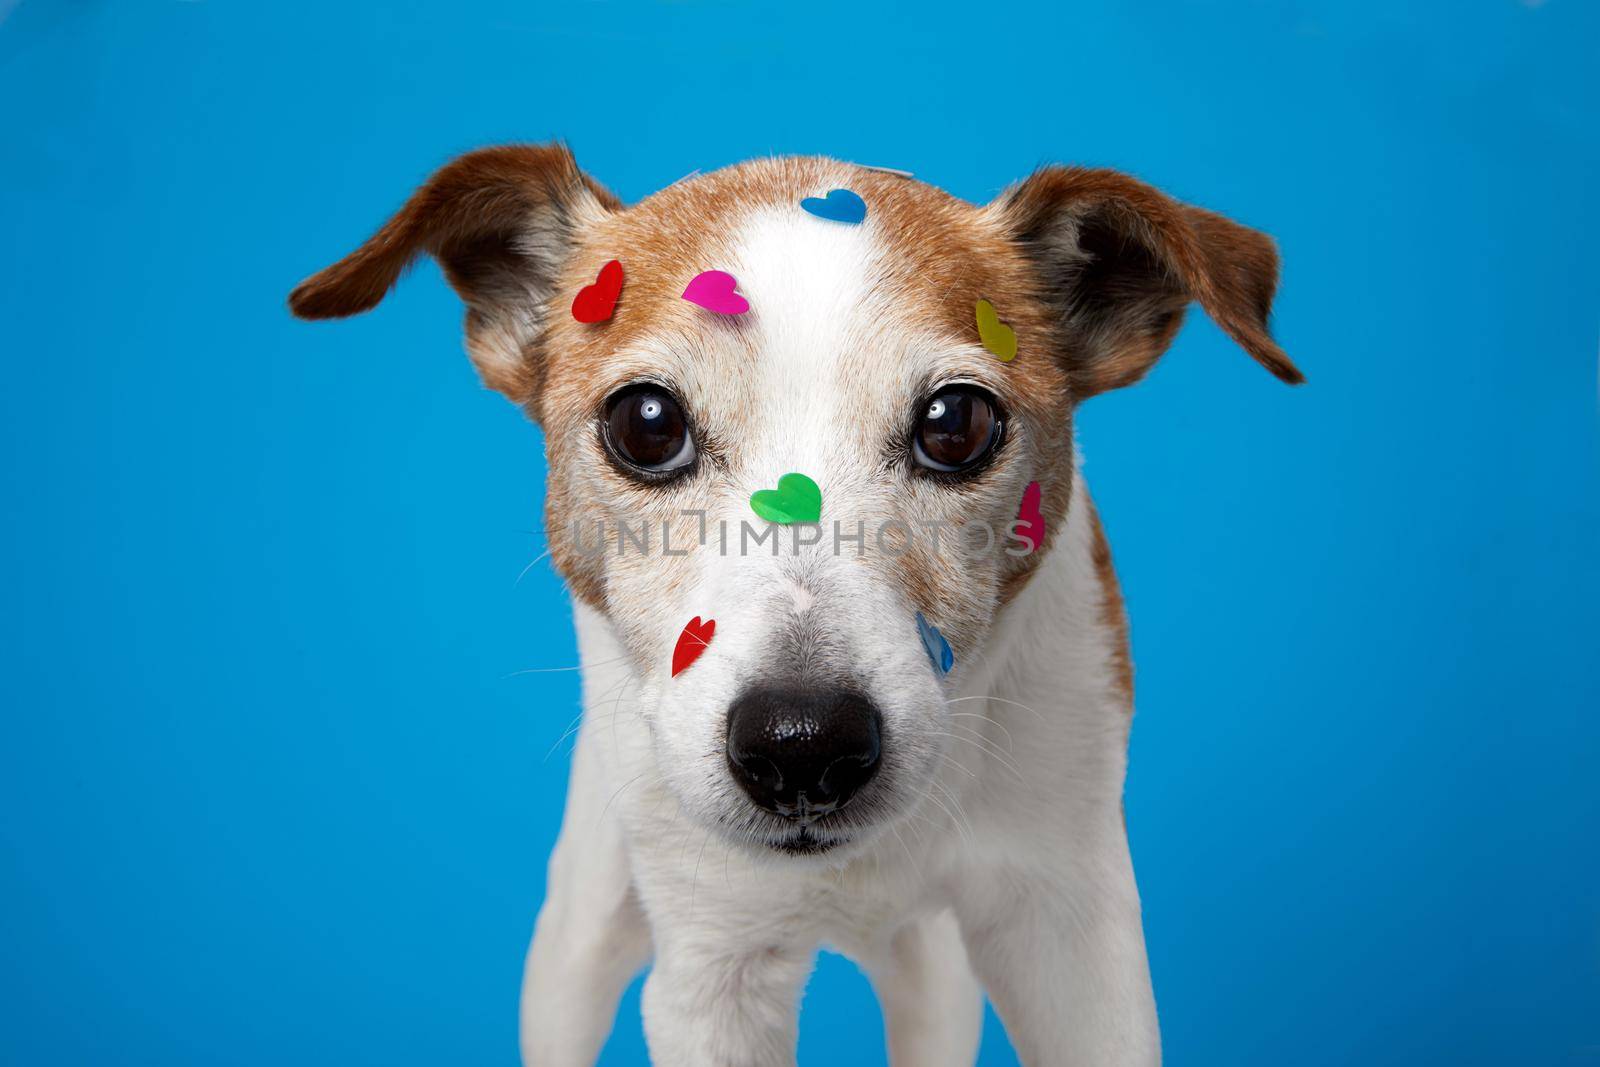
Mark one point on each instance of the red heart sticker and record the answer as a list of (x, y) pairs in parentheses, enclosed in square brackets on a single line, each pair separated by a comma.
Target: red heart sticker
[(594, 303), (1030, 520), (693, 641)]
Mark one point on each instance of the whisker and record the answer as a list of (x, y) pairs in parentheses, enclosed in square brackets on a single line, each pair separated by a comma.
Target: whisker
[(961, 826), (694, 882), (895, 830), (993, 752), (1003, 758), (577, 721), (1010, 742), (559, 670), (616, 711), (602, 817), (1001, 700), (530, 567)]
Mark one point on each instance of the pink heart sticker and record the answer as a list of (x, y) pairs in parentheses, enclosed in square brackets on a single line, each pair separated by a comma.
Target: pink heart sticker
[(713, 290), (1030, 519)]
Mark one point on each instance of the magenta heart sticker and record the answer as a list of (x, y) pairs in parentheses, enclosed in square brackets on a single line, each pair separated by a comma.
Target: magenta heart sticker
[(713, 290), (1030, 518)]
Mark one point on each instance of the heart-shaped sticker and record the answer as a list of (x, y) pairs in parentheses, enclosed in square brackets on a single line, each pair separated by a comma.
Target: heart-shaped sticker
[(594, 303), (996, 336), (1030, 520), (840, 205), (797, 499), (713, 290), (937, 647), (695, 639)]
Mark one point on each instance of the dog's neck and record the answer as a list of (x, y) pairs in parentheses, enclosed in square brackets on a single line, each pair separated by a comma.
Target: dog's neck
[(1056, 630), (1053, 675)]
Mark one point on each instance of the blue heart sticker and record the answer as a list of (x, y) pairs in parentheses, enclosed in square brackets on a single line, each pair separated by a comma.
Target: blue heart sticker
[(937, 647), (841, 205)]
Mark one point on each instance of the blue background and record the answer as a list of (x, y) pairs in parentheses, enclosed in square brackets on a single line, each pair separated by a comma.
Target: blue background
[(272, 791)]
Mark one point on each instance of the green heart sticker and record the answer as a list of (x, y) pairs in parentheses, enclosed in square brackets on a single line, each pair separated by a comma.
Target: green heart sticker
[(797, 499)]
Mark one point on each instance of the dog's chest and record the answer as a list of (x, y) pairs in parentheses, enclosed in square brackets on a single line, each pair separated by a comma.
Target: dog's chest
[(857, 908)]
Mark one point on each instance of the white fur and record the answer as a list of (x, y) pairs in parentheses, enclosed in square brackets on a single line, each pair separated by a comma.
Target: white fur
[(996, 854), (1022, 842)]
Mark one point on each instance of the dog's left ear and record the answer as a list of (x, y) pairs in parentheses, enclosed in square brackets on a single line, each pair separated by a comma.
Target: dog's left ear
[(1118, 263)]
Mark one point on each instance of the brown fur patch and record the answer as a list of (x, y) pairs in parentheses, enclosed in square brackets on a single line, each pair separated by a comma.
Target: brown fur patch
[(1112, 612)]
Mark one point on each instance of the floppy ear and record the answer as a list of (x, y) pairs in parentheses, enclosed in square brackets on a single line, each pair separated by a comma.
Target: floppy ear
[(1119, 262), (500, 221)]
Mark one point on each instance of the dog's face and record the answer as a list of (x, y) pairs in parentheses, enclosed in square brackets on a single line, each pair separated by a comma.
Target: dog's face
[(817, 713)]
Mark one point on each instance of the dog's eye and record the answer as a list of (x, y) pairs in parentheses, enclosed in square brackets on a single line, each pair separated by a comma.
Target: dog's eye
[(646, 428), (958, 429)]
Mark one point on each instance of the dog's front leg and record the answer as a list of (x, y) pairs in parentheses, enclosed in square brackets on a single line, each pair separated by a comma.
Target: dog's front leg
[(591, 937), (932, 1004), (712, 1001), (1060, 950)]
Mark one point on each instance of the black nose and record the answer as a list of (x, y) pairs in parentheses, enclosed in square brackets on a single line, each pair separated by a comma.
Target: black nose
[(801, 753)]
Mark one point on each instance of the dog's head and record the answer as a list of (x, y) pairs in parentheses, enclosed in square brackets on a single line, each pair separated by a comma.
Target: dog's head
[(860, 365)]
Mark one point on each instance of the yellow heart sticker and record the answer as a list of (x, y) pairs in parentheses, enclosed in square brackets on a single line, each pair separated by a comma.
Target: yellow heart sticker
[(996, 336)]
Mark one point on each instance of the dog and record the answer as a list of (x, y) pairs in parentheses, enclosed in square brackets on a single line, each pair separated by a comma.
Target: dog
[(848, 734)]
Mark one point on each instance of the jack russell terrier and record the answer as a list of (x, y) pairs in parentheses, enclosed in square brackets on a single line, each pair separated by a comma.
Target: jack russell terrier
[(809, 719)]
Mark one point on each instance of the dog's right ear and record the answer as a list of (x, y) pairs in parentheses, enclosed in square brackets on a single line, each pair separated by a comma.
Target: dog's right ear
[(501, 222)]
